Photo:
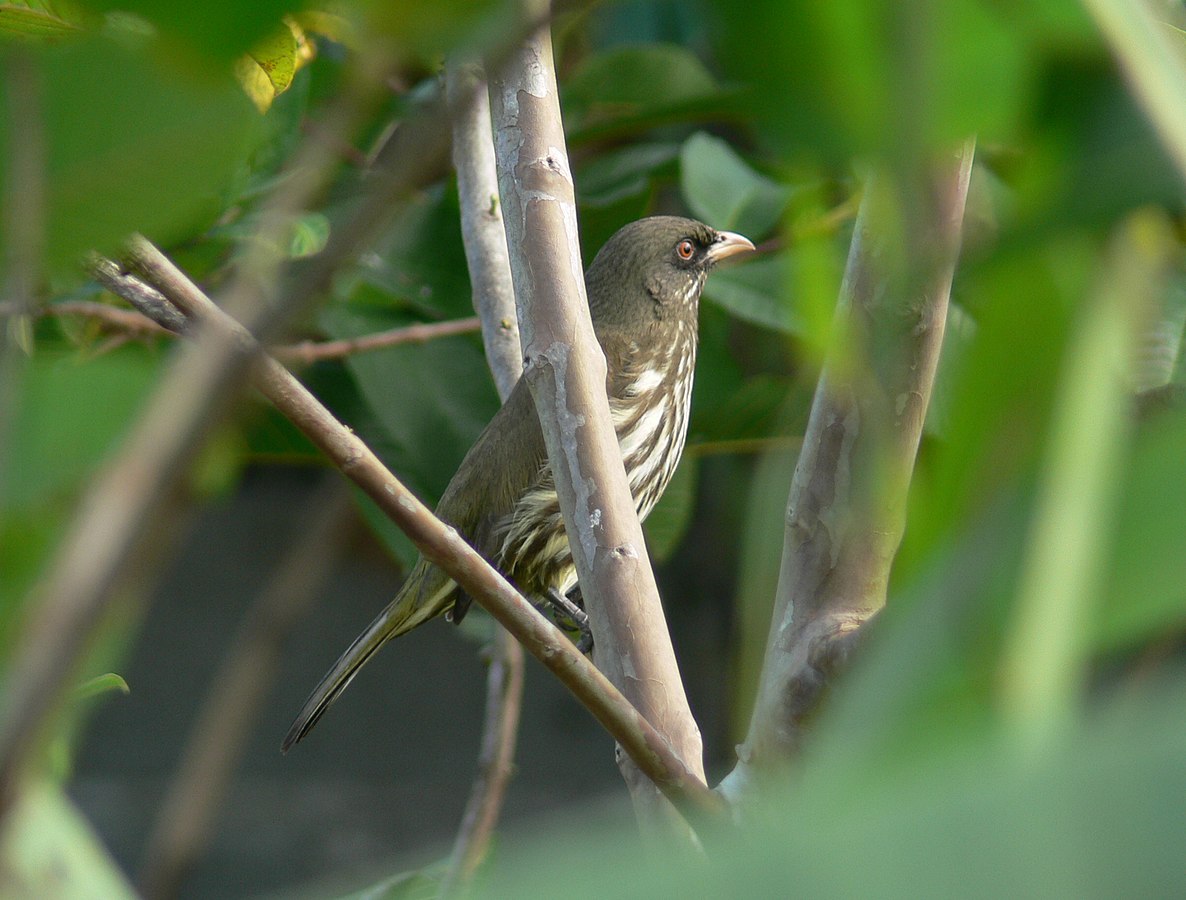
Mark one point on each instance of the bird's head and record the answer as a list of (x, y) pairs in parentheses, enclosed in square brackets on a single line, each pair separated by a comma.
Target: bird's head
[(656, 267)]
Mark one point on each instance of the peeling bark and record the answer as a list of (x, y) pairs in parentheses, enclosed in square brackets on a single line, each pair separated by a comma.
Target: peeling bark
[(847, 506)]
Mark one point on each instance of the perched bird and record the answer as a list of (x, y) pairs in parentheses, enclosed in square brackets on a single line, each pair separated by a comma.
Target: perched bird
[(644, 293)]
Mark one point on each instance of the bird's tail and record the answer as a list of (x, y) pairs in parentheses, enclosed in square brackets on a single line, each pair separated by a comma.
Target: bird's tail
[(422, 597)]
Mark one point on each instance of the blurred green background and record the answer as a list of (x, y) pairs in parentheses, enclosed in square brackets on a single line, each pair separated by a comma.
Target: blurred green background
[(1015, 727)]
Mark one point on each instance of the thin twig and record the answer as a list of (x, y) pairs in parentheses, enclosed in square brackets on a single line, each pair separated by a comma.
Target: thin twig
[(500, 731), (317, 351), (441, 545), (112, 316), (242, 684), (109, 275)]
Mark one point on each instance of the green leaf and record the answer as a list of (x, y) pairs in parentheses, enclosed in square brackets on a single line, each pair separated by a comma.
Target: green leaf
[(757, 292), (723, 190), (49, 850), (267, 70), (70, 416), (101, 684), (669, 520), (309, 235), (130, 145), (618, 174), (873, 77), (635, 84), (1043, 664), (1098, 816), (220, 29), (1144, 591), (37, 20), (419, 264)]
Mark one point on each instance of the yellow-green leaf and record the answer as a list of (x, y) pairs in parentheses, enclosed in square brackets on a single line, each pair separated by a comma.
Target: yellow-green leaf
[(267, 69), (23, 20), (101, 684)]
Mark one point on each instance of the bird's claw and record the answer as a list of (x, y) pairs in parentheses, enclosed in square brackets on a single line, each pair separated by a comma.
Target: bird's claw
[(577, 616)]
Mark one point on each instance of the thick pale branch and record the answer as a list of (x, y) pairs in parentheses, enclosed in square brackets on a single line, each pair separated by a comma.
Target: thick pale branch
[(846, 510), (567, 375), (481, 223), (494, 301), (442, 545)]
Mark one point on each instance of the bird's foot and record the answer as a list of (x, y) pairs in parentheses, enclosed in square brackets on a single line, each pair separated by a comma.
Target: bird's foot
[(577, 616)]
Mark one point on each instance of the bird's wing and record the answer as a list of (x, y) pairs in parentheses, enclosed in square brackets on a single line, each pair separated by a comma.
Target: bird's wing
[(505, 461)]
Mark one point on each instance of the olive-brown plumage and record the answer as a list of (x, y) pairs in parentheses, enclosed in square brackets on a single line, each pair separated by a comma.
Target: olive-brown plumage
[(644, 292)]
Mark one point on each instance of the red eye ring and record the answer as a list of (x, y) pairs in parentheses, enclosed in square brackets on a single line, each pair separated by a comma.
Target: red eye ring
[(686, 249)]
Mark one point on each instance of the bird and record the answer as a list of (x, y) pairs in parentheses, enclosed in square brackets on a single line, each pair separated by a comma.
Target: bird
[(643, 290)]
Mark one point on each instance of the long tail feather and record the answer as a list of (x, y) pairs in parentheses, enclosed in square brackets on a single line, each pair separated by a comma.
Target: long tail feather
[(403, 614)]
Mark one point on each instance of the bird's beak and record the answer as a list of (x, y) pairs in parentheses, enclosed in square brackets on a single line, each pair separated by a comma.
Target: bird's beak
[(728, 244)]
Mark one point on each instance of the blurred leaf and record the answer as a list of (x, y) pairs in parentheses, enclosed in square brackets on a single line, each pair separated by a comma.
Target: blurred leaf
[(958, 335), (131, 146), (333, 25), (220, 29), (26, 538), (70, 416), (423, 30), (268, 68), (669, 520), (617, 174), (1043, 663), (635, 85), (101, 684), (216, 470), (750, 411), (419, 264), (19, 331), (49, 850), (38, 20), (1001, 388), (725, 192), (1144, 583), (868, 76), (309, 235), (414, 885), (757, 292), (1096, 817), (757, 580)]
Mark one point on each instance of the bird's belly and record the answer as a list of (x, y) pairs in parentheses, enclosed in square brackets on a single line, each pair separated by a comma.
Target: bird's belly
[(533, 548)]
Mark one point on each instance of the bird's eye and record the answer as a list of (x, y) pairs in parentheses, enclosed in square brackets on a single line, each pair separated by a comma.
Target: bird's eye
[(685, 249)]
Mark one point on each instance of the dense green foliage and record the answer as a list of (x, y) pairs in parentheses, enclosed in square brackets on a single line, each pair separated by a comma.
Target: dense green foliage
[(1017, 725)]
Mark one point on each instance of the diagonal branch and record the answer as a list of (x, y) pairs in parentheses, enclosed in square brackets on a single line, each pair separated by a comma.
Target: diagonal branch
[(440, 543), (846, 510), (122, 509), (566, 372)]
